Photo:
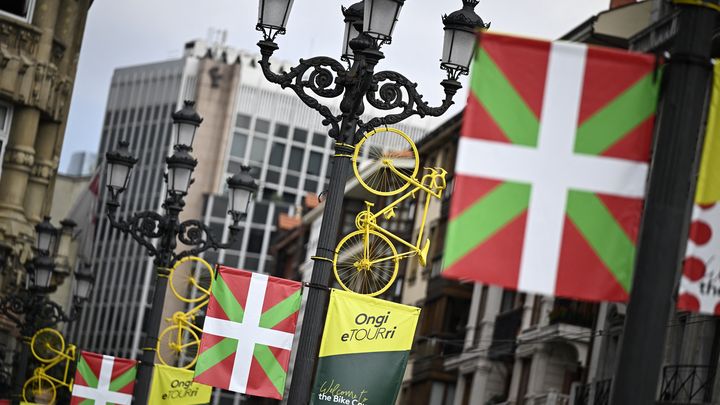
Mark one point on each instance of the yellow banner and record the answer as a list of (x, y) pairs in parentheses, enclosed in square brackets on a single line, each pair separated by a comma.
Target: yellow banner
[(361, 324), (171, 385), (708, 188)]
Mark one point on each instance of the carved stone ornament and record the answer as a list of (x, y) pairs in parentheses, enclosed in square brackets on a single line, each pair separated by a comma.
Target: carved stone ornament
[(43, 171), (19, 157)]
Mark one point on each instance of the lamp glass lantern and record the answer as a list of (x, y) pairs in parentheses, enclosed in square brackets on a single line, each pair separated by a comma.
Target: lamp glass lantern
[(84, 281), (461, 29), (242, 187), (273, 15), (46, 237), (180, 169), (120, 163), (42, 272), (185, 124), (353, 20), (380, 18)]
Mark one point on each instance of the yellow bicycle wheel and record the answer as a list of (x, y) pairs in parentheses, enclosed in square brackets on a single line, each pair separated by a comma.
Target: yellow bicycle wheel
[(178, 346), (192, 283), (376, 152), (47, 345), (39, 390), (369, 274)]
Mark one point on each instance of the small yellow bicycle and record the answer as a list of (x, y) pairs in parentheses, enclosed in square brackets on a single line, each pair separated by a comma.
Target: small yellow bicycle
[(48, 347), (386, 163), (178, 344)]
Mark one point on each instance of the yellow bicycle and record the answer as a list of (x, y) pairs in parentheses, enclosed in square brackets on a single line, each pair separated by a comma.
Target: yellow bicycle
[(48, 347), (178, 344), (386, 163)]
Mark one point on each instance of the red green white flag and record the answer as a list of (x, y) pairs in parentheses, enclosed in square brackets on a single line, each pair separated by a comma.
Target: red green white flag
[(248, 333), (551, 168), (103, 380)]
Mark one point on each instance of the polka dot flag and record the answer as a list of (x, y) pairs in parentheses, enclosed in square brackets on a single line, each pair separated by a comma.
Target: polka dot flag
[(700, 284)]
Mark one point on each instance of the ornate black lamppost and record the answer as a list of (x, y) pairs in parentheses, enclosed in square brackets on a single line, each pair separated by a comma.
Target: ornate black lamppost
[(159, 234), (369, 25), (30, 309)]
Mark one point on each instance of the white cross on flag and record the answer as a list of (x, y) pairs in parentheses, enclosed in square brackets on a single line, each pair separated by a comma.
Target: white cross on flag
[(248, 333), (103, 380)]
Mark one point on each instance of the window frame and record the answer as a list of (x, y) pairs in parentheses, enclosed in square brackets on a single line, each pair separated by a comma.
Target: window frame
[(26, 19)]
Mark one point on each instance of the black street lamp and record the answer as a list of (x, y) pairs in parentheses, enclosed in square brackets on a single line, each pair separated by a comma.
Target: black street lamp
[(369, 25), (30, 309), (159, 234)]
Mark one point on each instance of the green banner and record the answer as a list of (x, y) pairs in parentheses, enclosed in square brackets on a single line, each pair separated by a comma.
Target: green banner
[(364, 351)]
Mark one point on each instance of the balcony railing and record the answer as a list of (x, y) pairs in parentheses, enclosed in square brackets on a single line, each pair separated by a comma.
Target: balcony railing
[(572, 313), (595, 393), (686, 384)]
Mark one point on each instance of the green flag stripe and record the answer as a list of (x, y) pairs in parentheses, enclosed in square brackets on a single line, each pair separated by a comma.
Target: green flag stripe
[(270, 365), (611, 123), (280, 311), (215, 354), (485, 218), (604, 234), (86, 372), (88, 402), (509, 110), (123, 380), (224, 296)]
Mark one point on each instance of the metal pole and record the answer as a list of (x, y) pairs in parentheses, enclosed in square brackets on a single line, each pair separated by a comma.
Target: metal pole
[(151, 329), (671, 187), (22, 367)]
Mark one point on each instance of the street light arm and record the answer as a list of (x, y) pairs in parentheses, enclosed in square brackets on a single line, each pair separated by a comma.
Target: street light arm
[(143, 227), (391, 91), (322, 75), (196, 233)]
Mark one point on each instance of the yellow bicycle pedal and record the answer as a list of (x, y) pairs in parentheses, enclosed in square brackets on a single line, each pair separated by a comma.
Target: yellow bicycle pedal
[(424, 252), (389, 214)]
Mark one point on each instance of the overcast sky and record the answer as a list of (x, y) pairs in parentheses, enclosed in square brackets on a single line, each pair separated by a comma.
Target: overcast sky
[(131, 32)]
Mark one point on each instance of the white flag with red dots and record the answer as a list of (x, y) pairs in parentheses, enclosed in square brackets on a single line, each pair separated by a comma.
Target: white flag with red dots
[(700, 284)]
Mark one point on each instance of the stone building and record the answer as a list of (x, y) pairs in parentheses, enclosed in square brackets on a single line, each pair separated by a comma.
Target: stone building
[(40, 42)]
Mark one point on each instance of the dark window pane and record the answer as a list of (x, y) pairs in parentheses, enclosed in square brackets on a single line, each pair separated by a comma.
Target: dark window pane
[(262, 126), (319, 139), (292, 181), (243, 121), (211, 257), (276, 154), (300, 135), (255, 241), (17, 7), (289, 198), (219, 208), (239, 144), (257, 152), (296, 157), (251, 263), (315, 163), (281, 131), (272, 177), (311, 186), (234, 167), (261, 212)]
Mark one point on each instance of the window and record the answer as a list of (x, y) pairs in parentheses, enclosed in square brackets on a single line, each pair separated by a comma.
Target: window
[(257, 152), (300, 135), (296, 158), (273, 177), (262, 126), (281, 131), (319, 139), (255, 241), (243, 121), (261, 213), (238, 145), (315, 163), (18, 8), (276, 154), (219, 207), (311, 186), (292, 181)]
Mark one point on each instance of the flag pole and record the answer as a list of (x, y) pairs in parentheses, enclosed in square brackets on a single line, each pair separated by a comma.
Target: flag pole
[(663, 236)]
